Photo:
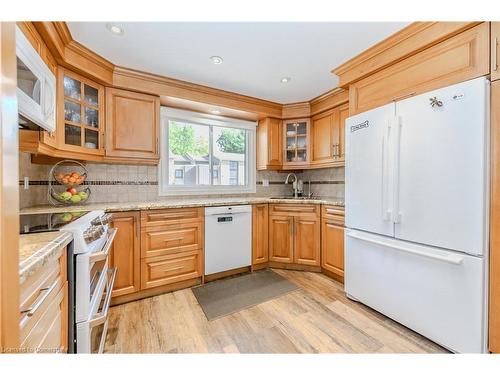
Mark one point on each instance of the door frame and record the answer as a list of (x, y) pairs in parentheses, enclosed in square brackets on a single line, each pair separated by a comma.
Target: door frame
[(9, 192)]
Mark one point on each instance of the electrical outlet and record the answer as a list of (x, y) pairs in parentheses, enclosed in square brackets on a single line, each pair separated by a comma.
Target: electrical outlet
[(265, 182), (26, 183)]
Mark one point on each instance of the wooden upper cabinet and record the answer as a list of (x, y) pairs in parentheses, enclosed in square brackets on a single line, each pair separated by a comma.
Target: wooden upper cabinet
[(296, 143), (80, 114), (281, 239), (269, 144), (495, 50), (132, 124), (125, 253), (328, 137), (307, 241), (260, 234), (324, 137), (343, 115), (460, 58)]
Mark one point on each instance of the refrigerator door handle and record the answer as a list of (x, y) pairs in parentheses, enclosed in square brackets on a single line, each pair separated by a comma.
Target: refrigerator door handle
[(452, 258), (386, 211), (397, 152)]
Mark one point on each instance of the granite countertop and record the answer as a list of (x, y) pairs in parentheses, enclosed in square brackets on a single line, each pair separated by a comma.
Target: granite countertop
[(179, 203), (37, 249)]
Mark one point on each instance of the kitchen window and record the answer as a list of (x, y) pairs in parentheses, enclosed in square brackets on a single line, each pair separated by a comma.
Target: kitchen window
[(205, 154)]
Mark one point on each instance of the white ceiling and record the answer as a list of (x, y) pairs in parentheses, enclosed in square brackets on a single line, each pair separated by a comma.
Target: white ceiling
[(256, 55)]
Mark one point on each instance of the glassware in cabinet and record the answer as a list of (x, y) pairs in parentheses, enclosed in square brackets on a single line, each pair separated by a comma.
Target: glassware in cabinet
[(81, 113), (296, 141)]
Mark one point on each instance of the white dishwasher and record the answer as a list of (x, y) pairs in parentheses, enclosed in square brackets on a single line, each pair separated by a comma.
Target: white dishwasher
[(228, 238)]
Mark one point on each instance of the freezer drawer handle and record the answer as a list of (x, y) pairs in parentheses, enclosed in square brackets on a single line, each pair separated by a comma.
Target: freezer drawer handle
[(453, 259)]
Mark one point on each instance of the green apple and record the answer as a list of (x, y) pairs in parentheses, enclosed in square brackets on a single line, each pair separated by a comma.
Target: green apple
[(75, 198), (65, 195), (83, 195), (66, 217)]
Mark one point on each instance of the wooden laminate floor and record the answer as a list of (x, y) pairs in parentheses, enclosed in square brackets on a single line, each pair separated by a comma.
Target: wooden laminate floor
[(317, 318)]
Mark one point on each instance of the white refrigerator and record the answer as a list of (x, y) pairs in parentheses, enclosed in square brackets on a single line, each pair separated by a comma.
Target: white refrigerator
[(416, 243)]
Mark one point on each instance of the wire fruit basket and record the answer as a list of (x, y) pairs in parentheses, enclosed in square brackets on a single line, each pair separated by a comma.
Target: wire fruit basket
[(65, 180)]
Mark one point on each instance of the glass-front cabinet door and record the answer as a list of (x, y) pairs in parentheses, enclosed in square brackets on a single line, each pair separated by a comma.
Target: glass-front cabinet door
[(296, 141), (80, 113)]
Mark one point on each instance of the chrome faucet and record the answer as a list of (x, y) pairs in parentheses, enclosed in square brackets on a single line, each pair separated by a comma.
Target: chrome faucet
[(294, 185), (309, 193)]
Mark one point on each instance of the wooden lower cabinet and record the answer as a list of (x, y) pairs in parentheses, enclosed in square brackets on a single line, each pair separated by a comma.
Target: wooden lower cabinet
[(281, 239), (50, 333), (166, 239), (172, 242), (332, 247), (125, 253), (43, 324), (294, 234), (260, 234), (307, 241), (169, 269), (332, 241)]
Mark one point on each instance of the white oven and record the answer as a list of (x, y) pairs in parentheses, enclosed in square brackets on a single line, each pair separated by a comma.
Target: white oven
[(90, 281), (36, 85), (91, 333), (91, 270)]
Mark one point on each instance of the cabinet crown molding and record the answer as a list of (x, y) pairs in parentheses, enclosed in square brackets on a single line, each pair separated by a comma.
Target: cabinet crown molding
[(404, 43)]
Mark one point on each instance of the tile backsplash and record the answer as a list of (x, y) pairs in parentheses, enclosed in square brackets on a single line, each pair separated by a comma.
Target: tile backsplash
[(128, 183)]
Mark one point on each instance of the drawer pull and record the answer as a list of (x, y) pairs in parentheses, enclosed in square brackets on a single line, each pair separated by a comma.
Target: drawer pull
[(332, 211), (39, 302), (174, 239), (294, 209), (172, 215), (174, 269)]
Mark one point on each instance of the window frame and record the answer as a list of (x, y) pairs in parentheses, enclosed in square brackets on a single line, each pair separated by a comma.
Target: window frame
[(171, 114)]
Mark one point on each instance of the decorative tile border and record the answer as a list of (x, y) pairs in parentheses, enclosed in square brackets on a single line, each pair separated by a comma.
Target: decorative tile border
[(93, 183), (154, 183)]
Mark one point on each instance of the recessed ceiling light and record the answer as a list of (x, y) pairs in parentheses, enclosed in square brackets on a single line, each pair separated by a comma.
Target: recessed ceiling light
[(115, 29), (216, 60), (285, 79), (215, 111)]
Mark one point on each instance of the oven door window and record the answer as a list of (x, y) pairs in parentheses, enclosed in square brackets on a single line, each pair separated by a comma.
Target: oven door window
[(28, 81)]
